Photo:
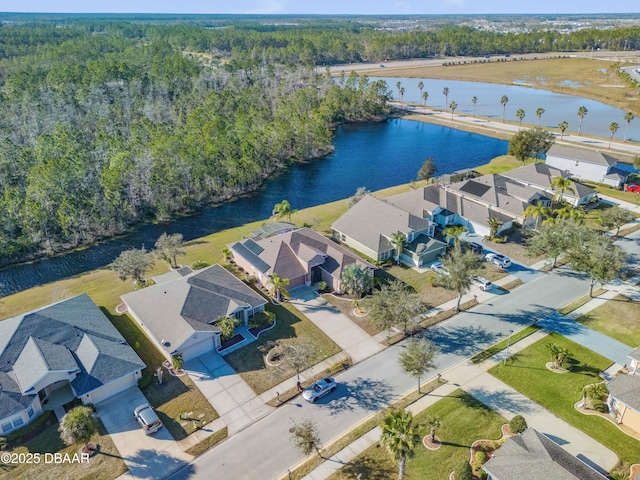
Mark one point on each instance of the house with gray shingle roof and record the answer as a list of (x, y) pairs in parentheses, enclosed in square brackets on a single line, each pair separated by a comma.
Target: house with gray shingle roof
[(180, 314), (624, 400), (302, 256), (69, 344), (584, 164), (534, 456), (370, 224)]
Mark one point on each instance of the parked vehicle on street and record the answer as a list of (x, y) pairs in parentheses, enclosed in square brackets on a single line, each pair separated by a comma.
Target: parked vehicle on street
[(440, 269), (482, 282), (632, 188), (498, 260), (147, 418), (319, 389)]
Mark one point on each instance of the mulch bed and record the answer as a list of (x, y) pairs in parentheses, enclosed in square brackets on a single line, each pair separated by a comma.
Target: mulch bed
[(429, 445), (255, 331), (237, 338)]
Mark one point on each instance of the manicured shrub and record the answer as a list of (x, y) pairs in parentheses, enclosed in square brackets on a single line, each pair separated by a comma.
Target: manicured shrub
[(518, 424), (464, 472), (199, 264), (261, 319), (481, 457), (599, 406)]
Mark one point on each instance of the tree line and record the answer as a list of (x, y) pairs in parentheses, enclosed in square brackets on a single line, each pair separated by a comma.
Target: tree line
[(107, 126)]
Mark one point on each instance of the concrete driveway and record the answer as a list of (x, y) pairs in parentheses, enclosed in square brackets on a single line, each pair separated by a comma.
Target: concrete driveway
[(235, 402), (349, 337), (147, 456)]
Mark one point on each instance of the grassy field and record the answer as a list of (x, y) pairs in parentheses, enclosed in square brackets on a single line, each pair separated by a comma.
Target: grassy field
[(498, 347), (105, 465), (291, 326), (630, 197), (558, 393), (464, 420), (500, 164), (618, 318), (596, 78)]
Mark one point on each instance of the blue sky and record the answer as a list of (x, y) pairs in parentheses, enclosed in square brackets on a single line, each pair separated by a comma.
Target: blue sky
[(322, 6)]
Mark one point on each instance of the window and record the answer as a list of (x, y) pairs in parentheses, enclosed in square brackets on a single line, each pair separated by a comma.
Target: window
[(17, 422), (30, 411), (410, 236), (385, 255), (7, 426)]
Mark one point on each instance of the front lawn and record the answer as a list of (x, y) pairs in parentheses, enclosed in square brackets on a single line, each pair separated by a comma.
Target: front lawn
[(291, 326), (464, 420), (106, 464), (630, 197), (526, 372), (617, 318)]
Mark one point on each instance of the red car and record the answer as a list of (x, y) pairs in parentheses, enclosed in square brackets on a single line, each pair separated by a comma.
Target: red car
[(632, 188)]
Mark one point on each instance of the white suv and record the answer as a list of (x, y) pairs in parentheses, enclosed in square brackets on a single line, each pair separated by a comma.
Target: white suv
[(498, 260), (482, 282)]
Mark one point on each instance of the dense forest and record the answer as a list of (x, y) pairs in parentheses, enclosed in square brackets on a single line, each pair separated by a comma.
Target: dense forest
[(107, 122), (105, 127)]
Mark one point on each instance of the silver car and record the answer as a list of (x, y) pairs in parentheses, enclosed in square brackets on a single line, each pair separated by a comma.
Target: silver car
[(319, 389), (147, 418), (498, 260)]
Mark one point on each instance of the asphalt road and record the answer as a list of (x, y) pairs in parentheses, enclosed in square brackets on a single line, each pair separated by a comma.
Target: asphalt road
[(264, 450)]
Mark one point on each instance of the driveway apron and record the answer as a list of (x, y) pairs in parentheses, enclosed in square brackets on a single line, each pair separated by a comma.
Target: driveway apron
[(147, 456)]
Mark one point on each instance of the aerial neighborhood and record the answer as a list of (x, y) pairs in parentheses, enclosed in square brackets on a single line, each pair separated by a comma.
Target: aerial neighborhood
[(294, 247)]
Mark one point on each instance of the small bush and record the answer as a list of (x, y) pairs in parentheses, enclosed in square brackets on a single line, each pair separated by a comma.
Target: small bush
[(340, 366), (599, 406), (322, 286), (518, 424), (250, 279), (482, 475), (464, 472), (199, 265), (481, 457), (261, 319)]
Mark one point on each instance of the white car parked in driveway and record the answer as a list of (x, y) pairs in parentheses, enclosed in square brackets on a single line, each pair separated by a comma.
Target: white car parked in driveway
[(439, 267), (482, 282), (498, 260)]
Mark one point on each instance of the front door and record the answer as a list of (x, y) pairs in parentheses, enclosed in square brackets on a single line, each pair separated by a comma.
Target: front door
[(316, 275)]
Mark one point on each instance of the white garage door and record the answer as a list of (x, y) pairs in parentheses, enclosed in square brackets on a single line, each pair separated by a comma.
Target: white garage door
[(112, 389), (197, 349)]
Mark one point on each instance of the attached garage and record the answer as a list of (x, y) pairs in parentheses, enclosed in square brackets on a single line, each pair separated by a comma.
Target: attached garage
[(199, 344), (107, 391)]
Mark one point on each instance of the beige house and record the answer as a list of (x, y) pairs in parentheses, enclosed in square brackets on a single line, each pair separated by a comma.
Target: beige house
[(303, 256), (624, 400)]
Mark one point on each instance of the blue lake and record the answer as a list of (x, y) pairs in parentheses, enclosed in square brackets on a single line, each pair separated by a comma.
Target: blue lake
[(557, 107), (373, 155)]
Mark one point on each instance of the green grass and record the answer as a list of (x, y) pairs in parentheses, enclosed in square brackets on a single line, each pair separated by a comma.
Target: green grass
[(526, 372), (498, 347), (105, 465), (207, 443), (500, 164), (630, 197), (579, 302), (464, 420), (290, 326), (617, 318)]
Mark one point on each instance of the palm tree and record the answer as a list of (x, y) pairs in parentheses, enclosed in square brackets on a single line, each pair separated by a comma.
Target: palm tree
[(613, 128), (596, 391), (420, 87), (539, 113), (582, 111), (283, 210), (558, 353), (445, 92), (401, 436), (433, 423), (398, 240), (494, 225), (503, 101), (401, 93), (278, 285), (453, 106), (569, 212), (425, 95), (474, 100), (520, 115), (563, 127), (356, 280), (538, 211), (562, 184), (398, 85), (454, 232), (628, 117)]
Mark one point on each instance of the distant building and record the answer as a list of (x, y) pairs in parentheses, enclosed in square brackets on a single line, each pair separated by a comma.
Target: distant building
[(584, 164)]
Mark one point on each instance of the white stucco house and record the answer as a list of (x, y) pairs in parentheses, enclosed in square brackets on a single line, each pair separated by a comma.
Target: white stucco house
[(68, 345), (180, 312), (583, 164)]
